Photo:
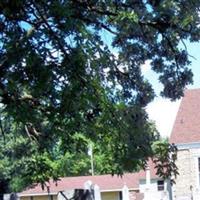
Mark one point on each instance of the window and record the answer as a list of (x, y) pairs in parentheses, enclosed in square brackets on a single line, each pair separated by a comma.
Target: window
[(160, 185), (199, 169), (120, 195)]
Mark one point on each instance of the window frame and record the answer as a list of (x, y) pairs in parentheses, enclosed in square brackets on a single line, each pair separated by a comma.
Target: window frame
[(160, 185)]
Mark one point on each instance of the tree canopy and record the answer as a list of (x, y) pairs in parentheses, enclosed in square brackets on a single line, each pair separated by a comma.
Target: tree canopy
[(62, 83)]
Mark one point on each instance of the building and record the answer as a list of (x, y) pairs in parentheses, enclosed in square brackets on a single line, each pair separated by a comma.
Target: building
[(186, 136), (111, 187)]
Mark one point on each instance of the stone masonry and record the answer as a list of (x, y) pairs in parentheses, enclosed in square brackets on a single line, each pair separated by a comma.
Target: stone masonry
[(187, 182)]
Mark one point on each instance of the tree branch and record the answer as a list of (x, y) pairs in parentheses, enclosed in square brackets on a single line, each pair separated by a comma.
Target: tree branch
[(54, 35), (2, 131)]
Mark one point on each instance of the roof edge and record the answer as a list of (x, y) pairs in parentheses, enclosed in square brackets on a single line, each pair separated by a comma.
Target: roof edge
[(192, 145)]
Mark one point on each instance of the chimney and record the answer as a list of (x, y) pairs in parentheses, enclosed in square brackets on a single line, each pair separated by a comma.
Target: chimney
[(148, 177)]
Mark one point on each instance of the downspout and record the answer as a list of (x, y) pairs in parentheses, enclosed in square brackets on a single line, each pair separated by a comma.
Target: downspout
[(48, 191), (169, 189)]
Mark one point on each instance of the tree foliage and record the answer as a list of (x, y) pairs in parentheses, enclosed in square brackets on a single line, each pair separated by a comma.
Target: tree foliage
[(62, 83), (22, 163)]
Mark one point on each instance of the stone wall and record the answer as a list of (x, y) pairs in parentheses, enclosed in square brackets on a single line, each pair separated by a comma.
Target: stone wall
[(187, 182)]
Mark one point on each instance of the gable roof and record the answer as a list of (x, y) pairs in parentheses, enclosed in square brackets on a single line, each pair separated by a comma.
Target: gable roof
[(105, 182), (186, 128)]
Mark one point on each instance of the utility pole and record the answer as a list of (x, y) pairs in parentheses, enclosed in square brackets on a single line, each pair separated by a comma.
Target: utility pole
[(90, 153)]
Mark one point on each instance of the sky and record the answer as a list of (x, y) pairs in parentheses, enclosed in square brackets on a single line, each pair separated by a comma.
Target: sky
[(162, 110)]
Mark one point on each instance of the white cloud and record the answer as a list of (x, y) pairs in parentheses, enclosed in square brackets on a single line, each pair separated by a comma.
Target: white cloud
[(163, 112)]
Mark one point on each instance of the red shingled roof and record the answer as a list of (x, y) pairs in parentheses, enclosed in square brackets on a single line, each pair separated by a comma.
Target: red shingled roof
[(105, 182), (187, 124)]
